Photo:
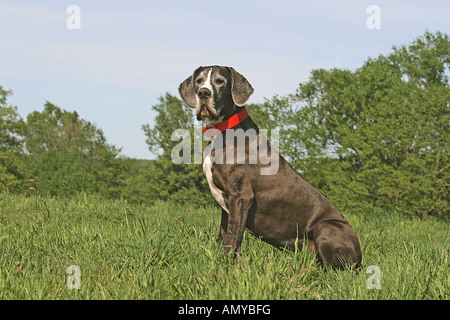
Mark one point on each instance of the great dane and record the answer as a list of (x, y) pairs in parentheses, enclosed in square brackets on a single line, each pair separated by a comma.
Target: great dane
[(280, 207)]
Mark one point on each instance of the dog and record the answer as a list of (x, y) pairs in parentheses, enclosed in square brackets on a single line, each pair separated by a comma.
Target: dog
[(281, 208)]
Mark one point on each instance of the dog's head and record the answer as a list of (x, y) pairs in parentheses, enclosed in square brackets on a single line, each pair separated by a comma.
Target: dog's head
[(214, 92)]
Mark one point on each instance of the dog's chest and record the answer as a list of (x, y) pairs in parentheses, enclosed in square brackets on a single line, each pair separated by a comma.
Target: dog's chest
[(216, 192)]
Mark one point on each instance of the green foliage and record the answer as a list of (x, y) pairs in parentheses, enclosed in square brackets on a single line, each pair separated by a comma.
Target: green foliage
[(11, 129), (163, 179), (10, 176), (66, 154), (172, 114), (377, 136), (11, 125)]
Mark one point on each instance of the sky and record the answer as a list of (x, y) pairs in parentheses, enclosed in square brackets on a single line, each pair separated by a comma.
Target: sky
[(113, 59)]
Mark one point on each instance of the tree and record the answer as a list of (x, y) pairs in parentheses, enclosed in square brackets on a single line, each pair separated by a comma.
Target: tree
[(163, 179), (378, 136), (11, 130), (67, 154)]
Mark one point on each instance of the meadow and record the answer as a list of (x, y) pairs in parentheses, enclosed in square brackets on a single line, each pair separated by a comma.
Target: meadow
[(166, 251)]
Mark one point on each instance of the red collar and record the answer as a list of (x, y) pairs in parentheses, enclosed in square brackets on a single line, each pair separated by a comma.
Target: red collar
[(227, 124)]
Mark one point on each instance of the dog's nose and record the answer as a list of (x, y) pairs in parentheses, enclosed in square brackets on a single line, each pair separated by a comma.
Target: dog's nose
[(204, 93)]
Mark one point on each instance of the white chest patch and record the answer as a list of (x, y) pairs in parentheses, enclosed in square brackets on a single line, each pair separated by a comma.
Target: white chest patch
[(216, 192)]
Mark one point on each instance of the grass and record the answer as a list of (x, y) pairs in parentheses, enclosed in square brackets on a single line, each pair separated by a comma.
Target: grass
[(165, 251)]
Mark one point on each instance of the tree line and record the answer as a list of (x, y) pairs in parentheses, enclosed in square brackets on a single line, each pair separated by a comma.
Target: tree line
[(374, 137)]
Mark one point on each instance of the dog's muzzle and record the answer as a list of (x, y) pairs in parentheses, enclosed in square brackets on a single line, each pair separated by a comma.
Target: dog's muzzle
[(205, 107)]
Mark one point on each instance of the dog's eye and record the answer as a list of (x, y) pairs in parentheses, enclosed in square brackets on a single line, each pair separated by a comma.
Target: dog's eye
[(219, 81), (199, 81)]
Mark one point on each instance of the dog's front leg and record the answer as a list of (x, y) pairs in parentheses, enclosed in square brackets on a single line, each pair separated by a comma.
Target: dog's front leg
[(237, 219), (223, 227)]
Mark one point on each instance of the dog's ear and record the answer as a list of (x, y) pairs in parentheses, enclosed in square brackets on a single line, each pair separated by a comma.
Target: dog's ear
[(187, 91), (241, 89)]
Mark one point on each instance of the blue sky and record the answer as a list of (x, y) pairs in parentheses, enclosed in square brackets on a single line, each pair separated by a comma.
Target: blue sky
[(129, 53)]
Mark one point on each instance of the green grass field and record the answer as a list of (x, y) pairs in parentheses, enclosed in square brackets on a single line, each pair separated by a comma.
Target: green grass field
[(127, 251)]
